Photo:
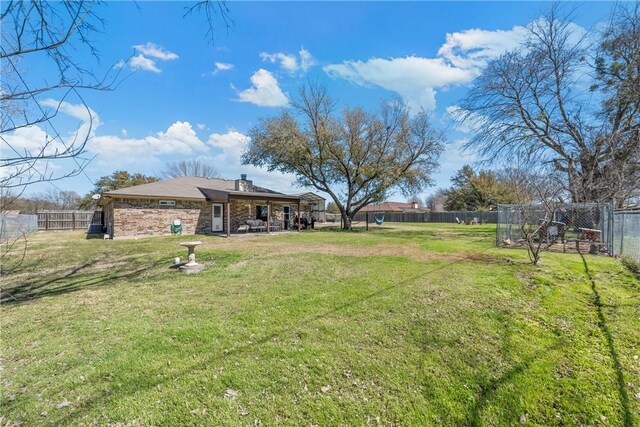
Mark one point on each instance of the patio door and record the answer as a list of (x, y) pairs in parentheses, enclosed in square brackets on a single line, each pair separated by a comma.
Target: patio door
[(217, 223)]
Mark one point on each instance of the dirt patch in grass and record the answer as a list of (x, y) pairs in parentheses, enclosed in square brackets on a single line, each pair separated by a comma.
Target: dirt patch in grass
[(409, 250)]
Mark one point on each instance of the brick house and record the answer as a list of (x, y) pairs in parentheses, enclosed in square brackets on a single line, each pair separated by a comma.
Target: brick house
[(202, 205)]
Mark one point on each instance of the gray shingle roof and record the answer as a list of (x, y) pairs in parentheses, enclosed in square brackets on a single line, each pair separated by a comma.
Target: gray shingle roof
[(185, 187), (189, 187)]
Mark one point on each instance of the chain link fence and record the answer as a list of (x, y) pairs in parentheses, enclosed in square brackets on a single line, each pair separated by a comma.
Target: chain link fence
[(626, 234), (571, 227), (17, 225)]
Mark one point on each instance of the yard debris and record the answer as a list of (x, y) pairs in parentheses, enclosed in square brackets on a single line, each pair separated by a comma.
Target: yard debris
[(523, 418), (243, 411), (638, 396), (230, 394), (64, 404), (325, 389), (347, 373), (44, 413), (198, 411)]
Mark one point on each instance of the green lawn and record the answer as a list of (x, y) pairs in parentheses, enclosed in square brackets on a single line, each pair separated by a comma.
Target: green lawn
[(412, 324)]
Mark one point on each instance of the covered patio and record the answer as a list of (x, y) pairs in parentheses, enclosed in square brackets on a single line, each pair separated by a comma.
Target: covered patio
[(253, 212)]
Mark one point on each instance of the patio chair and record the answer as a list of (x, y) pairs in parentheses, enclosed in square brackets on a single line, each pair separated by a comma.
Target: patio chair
[(256, 225)]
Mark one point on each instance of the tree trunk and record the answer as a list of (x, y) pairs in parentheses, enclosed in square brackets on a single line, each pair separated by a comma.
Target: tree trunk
[(346, 221)]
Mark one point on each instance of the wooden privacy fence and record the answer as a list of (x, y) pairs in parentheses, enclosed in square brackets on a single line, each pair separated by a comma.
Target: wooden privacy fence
[(463, 216), (67, 220)]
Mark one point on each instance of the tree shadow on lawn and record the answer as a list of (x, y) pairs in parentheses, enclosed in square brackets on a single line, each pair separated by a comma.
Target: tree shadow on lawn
[(147, 381), (489, 390), (615, 359), (65, 281)]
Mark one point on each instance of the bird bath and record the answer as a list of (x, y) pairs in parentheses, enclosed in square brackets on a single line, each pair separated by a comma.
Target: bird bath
[(191, 266)]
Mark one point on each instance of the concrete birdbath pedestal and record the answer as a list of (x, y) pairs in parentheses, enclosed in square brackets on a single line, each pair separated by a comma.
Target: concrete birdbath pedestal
[(191, 266)]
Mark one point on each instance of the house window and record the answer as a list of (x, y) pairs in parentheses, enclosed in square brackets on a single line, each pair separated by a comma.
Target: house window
[(167, 202), (261, 212)]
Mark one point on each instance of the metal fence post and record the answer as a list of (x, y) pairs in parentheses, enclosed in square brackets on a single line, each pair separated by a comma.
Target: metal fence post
[(622, 233)]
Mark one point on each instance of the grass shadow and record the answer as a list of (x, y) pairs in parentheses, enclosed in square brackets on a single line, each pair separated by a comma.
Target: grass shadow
[(60, 283)]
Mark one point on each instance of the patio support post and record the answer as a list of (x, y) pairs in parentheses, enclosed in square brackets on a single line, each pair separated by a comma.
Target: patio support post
[(299, 216), (228, 209), (367, 220), (268, 217)]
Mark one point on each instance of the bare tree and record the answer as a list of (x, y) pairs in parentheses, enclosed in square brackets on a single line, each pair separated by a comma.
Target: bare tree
[(436, 201), (61, 199), (534, 104), (538, 228), (355, 157), (191, 167), (51, 32)]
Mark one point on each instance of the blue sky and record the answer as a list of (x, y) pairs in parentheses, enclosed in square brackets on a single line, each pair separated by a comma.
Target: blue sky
[(188, 98)]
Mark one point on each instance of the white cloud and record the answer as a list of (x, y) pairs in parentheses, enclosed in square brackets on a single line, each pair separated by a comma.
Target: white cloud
[(289, 61), (30, 141), (140, 62), (147, 56), (413, 78), (232, 144), (221, 66), (472, 49), (458, 61), (265, 91), (89, 119), (178, 139), (77, 111), (201, 126), (145, 154), (306, 60), (229, 163), (155, 51)]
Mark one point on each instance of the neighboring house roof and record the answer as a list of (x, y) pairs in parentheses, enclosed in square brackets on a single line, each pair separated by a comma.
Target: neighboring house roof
[(390, 207), (189, 187)]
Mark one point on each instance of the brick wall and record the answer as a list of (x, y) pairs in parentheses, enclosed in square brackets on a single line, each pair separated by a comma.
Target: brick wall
[(145, 217)]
